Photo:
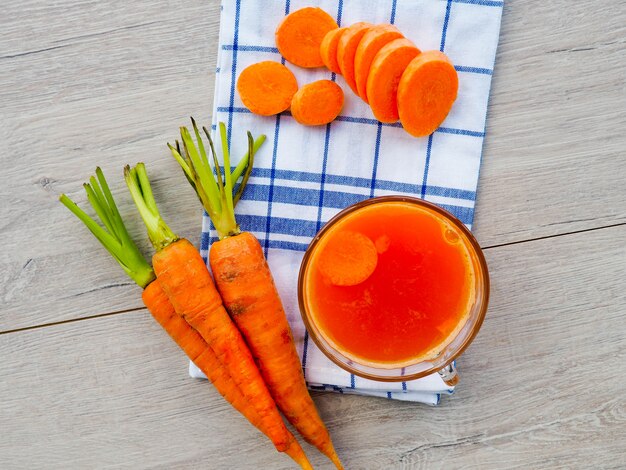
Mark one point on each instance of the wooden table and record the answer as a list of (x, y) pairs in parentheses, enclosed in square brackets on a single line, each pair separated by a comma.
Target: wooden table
[(88, 380)]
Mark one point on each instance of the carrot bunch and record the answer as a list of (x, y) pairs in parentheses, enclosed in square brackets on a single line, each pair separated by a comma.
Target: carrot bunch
[(378, 63), (181, 295), (246, 287)]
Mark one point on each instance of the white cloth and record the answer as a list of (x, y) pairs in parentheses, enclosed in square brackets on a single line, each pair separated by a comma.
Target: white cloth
[(305, 175)]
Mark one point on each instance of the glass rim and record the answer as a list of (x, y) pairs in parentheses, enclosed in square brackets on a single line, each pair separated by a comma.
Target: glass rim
[(474, 247)]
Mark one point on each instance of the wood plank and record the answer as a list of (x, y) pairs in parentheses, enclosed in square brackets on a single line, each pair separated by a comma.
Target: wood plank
[(553, 159), (541, 387), (127, 75), (87, 83)]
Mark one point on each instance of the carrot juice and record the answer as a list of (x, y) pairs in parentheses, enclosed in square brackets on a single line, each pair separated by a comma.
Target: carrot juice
[(390, 284)]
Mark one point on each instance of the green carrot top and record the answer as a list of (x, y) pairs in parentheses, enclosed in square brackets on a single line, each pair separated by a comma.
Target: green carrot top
[(216, 192), (113, 236), (139, 186)]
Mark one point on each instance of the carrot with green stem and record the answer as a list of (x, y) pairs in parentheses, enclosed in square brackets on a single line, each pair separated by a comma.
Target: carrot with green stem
[(184, 277), (113, 235), (248, 291)]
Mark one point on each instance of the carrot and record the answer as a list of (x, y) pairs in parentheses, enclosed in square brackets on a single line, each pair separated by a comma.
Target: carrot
[(426, 92), (266, 88), (346, 50), (328, 49), (247, 288), (317, 103), (115, 238), (385, 72), (194, 346), (370, 44), (185, 279), (348, 258), (300, 34)]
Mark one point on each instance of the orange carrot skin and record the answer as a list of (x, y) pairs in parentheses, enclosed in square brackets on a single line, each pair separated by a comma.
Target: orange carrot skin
[(368, 47), (346, 50), (182, 274), (384, 76), (328, 49), (426, 92), (248, 291), (190, 341)]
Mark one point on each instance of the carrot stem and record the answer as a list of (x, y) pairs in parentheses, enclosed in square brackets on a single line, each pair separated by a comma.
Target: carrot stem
[(139, 186), (206, 186), (243, 163), (246, 175), (216, 194), (227, 193), (176, 153), (113, 236)]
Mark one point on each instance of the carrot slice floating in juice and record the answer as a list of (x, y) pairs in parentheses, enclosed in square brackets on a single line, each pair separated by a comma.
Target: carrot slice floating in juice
[(266, 88), (426, 92), (348, 42), (367, 49), (348, 258), (384, 75), (300, 34), (328, 49)]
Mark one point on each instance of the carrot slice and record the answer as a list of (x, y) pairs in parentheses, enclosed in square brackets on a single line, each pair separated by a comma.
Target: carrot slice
[(348, 258), (426, 92), (267, 87), (317, 103), (384, 76), (367, 49), (328, 49), (348, 42), (300, 34)]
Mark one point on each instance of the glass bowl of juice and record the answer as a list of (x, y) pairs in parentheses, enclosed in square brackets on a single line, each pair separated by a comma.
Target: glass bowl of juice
[(394, 288)]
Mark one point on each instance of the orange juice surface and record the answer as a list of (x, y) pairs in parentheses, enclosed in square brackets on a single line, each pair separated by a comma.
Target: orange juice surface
[(417, 297)]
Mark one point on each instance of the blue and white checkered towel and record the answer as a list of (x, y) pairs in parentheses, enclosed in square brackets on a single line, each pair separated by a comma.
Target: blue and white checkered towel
[(305, 175)]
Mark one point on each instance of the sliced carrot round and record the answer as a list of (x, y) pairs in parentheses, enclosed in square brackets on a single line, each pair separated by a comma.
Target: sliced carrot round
[(328, 49), (317, 103), (267, 87), (370, 44), (426, 92), (348, 258), (300, 34), (384, 76), (348, 42)]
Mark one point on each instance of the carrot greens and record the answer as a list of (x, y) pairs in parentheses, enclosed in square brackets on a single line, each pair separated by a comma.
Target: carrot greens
[(113, 236), (216, 191)]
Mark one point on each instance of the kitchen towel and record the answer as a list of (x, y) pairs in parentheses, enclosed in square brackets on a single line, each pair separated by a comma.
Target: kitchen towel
[(305, 175)]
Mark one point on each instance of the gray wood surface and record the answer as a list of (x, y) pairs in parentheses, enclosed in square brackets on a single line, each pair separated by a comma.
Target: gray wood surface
[(542, 385), (87, 380)]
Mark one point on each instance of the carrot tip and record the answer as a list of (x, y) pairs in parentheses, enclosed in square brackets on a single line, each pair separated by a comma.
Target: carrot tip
[(297, 454), (335, 459)]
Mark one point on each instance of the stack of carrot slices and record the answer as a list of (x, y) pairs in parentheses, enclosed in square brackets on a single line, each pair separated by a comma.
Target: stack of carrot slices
[(380, 65), (268, 88)]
